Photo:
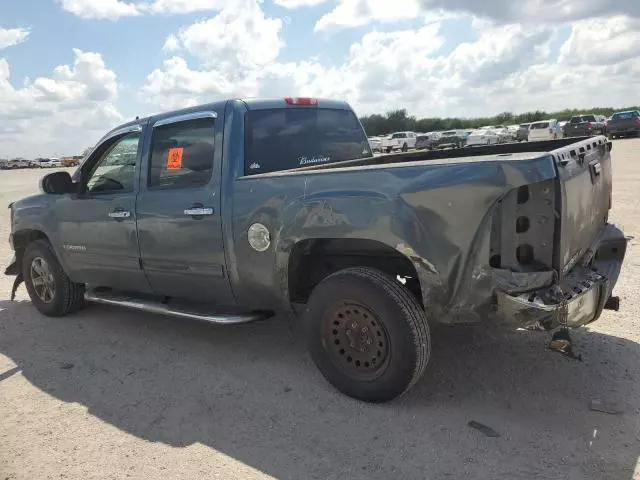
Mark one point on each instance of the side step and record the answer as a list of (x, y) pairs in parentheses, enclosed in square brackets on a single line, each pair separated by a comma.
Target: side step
[(107, 297)]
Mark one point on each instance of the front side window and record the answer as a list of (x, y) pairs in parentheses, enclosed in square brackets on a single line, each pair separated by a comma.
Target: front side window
[(116, 169), (182, 154)]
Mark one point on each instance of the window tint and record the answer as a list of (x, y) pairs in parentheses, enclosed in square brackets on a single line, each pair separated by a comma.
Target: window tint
[(624, 115), (182, 154), (285, 138), (115, 171), (588, 118)]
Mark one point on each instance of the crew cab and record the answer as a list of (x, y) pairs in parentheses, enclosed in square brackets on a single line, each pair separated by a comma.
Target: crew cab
[(402, 141), (622, 124), (239, 210)]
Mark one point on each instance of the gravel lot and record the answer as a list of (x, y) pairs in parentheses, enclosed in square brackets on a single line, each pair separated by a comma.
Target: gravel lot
[(110, 393)]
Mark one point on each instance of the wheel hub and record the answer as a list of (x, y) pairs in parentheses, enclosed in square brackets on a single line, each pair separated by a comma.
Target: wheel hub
[(357, 340), (42, 280)]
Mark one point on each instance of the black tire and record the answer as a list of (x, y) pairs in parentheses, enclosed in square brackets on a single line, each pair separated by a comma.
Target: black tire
[(67, 297), (405, 147), (365, 299)]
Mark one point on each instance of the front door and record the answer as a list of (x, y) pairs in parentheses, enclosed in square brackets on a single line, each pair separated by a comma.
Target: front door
[(97, 227), (178, 211)]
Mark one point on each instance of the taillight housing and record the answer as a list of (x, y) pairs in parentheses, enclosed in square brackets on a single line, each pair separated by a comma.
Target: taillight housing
[(301, 101), (637, 121), (589, 125)]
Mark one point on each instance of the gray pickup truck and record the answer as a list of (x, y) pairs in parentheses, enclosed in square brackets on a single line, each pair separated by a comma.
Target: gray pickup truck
[(241, 209)]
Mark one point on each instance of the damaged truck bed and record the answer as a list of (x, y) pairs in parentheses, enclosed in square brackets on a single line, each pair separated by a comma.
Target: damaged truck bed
[(519, 230)]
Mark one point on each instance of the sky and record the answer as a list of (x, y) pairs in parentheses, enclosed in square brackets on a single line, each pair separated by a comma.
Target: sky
[(70, 70)]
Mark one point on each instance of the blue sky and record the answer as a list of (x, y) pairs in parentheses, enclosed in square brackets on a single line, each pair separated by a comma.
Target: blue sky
[(71, 69)]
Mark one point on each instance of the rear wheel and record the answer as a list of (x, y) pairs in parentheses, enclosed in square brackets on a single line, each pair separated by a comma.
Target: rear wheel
[(405, 147), (367, 334), (49, 287)]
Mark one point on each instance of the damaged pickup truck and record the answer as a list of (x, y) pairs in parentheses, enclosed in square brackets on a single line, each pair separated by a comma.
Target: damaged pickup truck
[(241, 209)]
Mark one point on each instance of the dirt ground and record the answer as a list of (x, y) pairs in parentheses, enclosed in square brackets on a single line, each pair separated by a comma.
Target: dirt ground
[(111, 394)]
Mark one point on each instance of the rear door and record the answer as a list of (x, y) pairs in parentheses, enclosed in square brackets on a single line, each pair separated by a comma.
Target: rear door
[(178, 210)]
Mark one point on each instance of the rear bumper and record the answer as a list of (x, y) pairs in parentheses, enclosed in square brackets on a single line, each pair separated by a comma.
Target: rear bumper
[(582, 294)]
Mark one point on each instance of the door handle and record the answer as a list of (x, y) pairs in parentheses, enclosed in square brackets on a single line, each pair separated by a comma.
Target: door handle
[(198, 210), (119, 213)]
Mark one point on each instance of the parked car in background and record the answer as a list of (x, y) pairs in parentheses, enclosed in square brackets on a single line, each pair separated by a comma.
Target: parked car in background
[(4, 164), (584, 125), (483, 136), (376, 143), (512, 132), (522, 135), (451, 138), (70, 161), (545, 130), (18, 162), (399, 141), (623, 124), (427, 141)]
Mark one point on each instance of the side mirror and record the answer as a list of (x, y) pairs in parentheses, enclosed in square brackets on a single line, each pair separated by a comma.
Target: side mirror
[(57, 183)]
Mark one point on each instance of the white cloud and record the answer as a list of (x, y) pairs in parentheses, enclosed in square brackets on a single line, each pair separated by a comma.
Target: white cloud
[(100, 9), (240, 38), (354, 13), (351, 13), (115, 9), (12, 36), (60, 113), (298, 3), (602, 41)]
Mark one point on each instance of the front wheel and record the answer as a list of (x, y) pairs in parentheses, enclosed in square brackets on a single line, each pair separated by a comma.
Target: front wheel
[(50, 289), (367, 334)]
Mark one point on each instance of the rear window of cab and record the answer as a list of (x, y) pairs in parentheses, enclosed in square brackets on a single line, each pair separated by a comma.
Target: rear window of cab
[(286, 138)]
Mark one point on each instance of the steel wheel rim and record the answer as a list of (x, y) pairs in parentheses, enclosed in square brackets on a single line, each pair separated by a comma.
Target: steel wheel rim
[(356, 340), (42, 280)]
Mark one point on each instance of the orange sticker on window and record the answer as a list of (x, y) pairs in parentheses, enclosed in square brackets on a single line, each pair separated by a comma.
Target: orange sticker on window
[(174, 158)]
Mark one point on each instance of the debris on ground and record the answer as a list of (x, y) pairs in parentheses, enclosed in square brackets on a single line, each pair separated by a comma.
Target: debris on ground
[(561, 343), (604, 406), (66, 366), (488, 431)]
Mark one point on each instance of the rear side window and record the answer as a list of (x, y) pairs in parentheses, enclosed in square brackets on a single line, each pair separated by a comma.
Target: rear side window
[(624, 115), (285, 138), (182, 154)]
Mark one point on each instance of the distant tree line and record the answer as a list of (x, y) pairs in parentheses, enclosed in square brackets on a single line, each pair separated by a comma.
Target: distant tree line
[(400, 120)]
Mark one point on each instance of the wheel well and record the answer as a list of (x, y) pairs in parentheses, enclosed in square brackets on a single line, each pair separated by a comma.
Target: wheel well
[(23, 238), (313, 260)]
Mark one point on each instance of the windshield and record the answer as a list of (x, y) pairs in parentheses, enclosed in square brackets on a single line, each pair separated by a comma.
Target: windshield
[(537, 126), (285, 138), (624, 115)]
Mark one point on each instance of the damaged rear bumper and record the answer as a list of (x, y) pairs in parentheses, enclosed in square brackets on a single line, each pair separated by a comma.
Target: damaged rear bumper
[(578, 299)]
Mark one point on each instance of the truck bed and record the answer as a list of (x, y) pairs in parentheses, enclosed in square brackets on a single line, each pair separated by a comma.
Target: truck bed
[(503, 150)]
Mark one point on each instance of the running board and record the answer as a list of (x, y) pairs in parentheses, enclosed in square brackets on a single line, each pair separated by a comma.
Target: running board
[(154, 306)]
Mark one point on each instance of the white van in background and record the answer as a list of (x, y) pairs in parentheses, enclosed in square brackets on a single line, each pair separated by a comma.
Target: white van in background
[(545, 130)]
